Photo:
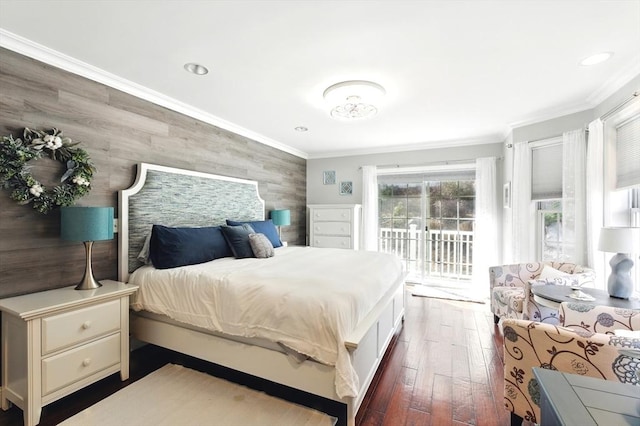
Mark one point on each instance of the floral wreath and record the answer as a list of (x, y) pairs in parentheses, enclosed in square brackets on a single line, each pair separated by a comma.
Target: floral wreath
[(15, 173)]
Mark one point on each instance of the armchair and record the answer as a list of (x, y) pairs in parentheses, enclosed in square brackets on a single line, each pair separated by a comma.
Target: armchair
[(510, 288), (529, 344)]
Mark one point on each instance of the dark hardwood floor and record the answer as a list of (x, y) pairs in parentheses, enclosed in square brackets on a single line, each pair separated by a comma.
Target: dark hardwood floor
[(444, 368)]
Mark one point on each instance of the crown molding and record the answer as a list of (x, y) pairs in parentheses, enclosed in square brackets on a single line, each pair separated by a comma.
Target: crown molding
[(615, 83), (57, 59), (490, 139), (550, 114)]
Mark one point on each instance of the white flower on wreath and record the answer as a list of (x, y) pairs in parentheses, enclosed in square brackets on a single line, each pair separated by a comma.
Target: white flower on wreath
[(80, 181), (36, 190), (52, 142)]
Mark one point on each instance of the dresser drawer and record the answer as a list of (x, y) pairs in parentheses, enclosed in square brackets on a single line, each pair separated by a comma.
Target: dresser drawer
[(70, 328), (332, 228), (332, 242), (332, 214), (68, 367)]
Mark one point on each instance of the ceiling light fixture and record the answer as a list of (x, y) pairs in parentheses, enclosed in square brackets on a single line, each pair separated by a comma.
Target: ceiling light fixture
[(196, 69), (353, 99), (596, 59)]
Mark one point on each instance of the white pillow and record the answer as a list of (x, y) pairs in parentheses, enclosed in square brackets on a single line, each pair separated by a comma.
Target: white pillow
[(143, 256), (549, 273)]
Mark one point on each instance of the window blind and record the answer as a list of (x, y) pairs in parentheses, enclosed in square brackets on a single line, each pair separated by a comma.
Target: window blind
[(546, 172), (628, 153)]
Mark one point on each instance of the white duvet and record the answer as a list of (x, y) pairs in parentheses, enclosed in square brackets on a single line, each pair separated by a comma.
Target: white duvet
[(306, 298)]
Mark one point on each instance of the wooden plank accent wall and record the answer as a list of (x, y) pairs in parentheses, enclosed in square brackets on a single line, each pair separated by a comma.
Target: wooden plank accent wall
[(118, 131)]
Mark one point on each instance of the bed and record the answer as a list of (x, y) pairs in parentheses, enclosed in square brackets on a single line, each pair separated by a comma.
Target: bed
[(337, 360)]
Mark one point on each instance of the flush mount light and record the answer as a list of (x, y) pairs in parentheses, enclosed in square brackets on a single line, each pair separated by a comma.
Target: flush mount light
[(596, 59), (353, 99), (301, 129), (196, 69)]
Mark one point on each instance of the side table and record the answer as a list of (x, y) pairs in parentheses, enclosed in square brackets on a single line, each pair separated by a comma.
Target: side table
[(570, 399), (552, 295), (58, 341)]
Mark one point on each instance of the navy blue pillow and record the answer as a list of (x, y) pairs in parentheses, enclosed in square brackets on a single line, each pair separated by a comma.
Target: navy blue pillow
[(265, 227), (238, 239), (173, 247)]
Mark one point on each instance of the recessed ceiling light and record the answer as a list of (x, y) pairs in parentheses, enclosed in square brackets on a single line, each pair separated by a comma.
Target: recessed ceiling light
[(353, 99), (196, 69), (596, 59), (301, 129)]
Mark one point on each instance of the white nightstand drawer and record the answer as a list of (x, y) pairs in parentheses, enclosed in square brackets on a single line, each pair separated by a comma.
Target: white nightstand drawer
[(69, 328), (331, 214), (66, 368), (332, 242), (332, 228)]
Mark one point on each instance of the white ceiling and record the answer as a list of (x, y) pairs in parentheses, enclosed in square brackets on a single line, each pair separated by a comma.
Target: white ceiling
[(455, 72)]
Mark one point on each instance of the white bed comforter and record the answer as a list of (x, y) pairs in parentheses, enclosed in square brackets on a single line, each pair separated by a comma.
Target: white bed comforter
[(306, 298)]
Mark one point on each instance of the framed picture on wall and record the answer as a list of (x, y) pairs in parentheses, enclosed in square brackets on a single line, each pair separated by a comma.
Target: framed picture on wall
[(346, 188), (329, 177), (506, 195)]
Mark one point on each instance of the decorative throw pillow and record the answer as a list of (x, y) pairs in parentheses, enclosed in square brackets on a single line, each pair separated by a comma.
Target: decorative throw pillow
[(238, 239), (549, 273), (173, 247), (265, 227), (143, 255), (261, 246)]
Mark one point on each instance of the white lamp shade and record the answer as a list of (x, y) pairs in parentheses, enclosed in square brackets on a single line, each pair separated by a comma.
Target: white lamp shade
[(619, 240)]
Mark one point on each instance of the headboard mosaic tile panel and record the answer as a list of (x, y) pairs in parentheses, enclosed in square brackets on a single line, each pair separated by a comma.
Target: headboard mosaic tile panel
[(174, 197)]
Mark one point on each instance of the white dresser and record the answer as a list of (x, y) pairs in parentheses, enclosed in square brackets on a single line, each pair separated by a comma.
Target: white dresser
[(335, 225), (58, 341)]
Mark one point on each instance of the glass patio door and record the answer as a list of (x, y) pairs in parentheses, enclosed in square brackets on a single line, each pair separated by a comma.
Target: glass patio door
[(429, 225)]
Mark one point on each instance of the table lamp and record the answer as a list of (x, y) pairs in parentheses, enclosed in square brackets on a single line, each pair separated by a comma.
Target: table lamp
[(622, 241), (281, 218), (86, 224)]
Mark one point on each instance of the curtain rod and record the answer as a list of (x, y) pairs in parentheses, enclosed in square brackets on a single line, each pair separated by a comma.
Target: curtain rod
[(619, 106), (433, 163)]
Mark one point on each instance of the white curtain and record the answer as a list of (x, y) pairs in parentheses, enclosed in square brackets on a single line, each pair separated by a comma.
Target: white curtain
[(369, 208), (523, 213), (595, 196), (574, 153), (485, 233)]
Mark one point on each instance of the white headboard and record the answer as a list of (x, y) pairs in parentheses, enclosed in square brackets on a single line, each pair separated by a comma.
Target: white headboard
[(175, 197)]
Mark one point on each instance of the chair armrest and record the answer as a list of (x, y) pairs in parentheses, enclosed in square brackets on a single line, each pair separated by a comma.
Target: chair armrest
[(598, 319)]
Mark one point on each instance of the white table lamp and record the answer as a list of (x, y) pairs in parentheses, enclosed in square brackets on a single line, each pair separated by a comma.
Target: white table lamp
[(623, 241)]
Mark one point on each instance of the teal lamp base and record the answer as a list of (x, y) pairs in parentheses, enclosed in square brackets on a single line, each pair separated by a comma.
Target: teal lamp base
[(88, 281)]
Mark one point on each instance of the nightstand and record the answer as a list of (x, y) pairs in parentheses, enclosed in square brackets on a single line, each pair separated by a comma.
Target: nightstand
[(58, 341)]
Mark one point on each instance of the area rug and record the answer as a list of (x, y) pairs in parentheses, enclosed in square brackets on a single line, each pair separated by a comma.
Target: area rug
[(176, 395), (445, 293)]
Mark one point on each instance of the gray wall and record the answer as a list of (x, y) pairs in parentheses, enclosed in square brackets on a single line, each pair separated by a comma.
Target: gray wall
[(348, 168), (118, 131), (555, 127)]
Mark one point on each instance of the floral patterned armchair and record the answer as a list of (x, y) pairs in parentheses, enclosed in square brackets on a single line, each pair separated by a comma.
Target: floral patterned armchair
[(510, 288), (529, 344)]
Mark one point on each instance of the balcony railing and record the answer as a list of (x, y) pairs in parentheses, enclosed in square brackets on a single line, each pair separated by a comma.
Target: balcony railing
[(446, 254)]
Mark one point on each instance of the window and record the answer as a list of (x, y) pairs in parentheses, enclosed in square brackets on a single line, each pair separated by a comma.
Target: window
[(549, 242), (546, 192), (427, 219), (622, 172)]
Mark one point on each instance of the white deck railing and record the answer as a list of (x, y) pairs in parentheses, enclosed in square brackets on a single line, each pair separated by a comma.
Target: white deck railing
[(446, 253)]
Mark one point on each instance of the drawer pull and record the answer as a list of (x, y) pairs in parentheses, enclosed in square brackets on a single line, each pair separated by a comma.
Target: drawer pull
[(86, 325), (86, 362)]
